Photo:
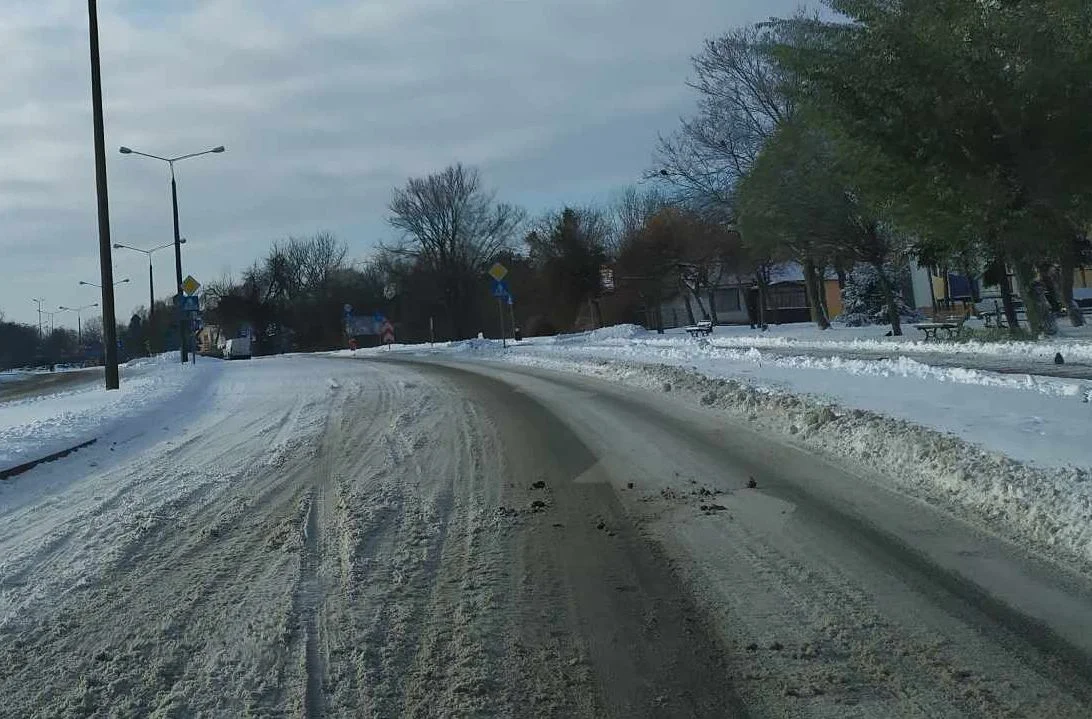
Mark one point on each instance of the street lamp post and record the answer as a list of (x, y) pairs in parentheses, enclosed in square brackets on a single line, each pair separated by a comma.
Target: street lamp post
[(151, 281), (177, 238), (39, 300), (79, 319)]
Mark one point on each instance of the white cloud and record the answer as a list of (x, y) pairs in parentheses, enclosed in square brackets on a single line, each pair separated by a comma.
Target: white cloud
[(324, 106)]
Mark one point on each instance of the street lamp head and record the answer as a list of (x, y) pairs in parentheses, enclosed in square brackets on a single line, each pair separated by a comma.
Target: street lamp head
[(124, 150), (121, 281), (84, 283), (117, 246), (218, 149), (66, 309)]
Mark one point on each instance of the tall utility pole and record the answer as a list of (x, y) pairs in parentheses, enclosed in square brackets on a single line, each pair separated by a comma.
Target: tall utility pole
[(106, 264)]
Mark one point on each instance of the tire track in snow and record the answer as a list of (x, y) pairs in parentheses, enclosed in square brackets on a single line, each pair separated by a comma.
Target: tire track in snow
[(308, 598)]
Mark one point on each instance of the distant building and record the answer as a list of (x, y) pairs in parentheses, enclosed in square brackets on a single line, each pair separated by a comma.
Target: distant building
[(735, 299)]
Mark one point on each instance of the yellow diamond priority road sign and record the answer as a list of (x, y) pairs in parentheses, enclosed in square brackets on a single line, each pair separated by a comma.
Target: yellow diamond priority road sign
[(190, 285), (498, 271)]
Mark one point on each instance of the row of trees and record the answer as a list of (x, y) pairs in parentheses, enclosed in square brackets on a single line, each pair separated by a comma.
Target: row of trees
[(432, 281), (951, 132), (22, 345)]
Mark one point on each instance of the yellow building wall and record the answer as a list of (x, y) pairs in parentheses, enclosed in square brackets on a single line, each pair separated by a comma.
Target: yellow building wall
[(834, 297), (940, 288)]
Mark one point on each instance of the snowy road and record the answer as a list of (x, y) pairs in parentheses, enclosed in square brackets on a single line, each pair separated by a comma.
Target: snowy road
[(335, 537)]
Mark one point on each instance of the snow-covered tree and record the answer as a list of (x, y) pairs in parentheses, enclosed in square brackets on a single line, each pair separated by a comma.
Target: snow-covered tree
[(863, 301)]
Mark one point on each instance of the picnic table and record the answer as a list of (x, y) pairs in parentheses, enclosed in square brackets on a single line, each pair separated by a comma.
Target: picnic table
[(932, 328), (705, 327)]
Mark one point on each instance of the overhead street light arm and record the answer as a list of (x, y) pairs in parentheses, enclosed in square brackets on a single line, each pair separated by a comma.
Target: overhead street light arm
[(129, 151), (120, 246), (171, 160), (198, 154)]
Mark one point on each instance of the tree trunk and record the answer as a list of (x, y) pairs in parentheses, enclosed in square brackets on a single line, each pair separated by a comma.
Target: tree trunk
[(1076, 317), (713, 306), (821, 291), (889, 299), (1026, 279), (1006, 298), (689, 309), (815, 306), (763, 300), (1049, 277), (701, 307)]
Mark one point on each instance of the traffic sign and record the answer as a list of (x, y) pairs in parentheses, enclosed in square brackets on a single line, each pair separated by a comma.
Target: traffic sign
[(388, 333), (500, 289), (498, 271), (190, 285), (190, 303)]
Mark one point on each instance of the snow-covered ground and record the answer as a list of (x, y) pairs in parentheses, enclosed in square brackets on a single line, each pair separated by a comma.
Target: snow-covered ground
[(37, 426), (1075, 343), (1009, 452)]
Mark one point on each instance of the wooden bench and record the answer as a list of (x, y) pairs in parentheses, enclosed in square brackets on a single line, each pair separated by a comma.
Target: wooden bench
[(953, 328), (701, 329)]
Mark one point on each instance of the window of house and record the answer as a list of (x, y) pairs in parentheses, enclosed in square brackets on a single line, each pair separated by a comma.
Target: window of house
[(788, 296), (727, 300)]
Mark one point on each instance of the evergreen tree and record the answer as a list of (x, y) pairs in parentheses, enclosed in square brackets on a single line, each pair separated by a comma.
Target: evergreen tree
[(864, 301)]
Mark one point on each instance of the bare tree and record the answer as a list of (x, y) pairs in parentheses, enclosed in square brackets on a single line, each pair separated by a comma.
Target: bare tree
[(631, 212), (742, 101), (454, 228)]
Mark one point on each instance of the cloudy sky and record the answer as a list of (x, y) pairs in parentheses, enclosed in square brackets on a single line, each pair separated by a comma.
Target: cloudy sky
[(324, 106)]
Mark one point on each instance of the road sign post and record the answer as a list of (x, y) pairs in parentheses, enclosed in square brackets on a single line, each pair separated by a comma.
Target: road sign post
[(500, 291)]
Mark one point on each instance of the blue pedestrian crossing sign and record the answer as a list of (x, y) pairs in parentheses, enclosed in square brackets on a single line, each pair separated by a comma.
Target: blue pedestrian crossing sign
[(500, 289)]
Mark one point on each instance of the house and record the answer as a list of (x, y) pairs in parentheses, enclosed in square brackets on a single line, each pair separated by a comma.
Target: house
[(735, 299), (208, 339), (937, 290)]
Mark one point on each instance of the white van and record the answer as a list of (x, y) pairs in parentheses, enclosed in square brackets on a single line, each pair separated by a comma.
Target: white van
[(237, 348)]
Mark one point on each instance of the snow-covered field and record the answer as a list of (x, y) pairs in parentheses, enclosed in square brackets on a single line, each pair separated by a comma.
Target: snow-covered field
[(36, 426), (1009, 452)]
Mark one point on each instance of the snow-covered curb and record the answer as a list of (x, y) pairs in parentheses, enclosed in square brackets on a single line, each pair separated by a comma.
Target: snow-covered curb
[(1048, 510), (34, 427)]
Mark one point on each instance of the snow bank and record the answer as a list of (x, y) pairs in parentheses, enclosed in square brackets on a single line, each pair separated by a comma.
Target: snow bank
[(34, 427), (615, 332)]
